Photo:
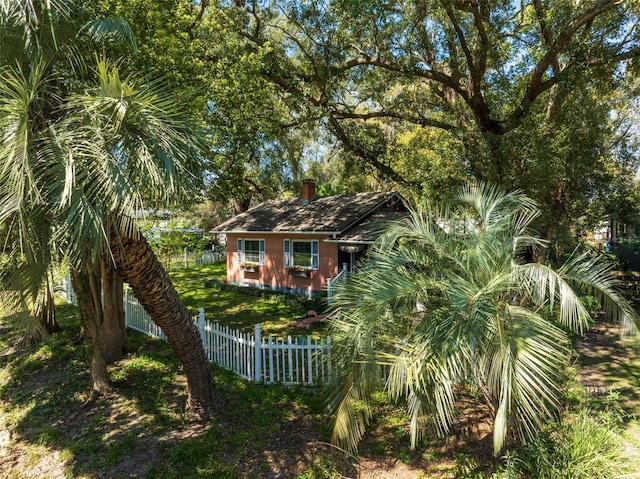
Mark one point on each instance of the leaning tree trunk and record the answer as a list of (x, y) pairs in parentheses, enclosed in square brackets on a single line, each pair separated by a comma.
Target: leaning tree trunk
[(138, 266), (85, 283)]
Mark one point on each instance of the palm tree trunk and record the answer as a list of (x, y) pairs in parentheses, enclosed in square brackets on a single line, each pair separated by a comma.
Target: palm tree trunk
[(138, 266), (44, 308), (82, 284), (113, 333)]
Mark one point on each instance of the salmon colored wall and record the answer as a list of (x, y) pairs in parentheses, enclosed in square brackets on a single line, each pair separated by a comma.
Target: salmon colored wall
[(273, 274)]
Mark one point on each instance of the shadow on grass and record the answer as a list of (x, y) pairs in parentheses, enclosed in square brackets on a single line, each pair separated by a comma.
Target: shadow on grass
[(264, 432), (608, 362), (140, 430), (45, 389)]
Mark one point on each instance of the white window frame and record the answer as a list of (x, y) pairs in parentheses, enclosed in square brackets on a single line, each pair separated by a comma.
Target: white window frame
[(287, 253), (242, 248), (289, 256)]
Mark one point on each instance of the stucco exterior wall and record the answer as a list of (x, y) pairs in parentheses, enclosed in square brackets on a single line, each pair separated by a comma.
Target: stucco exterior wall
[(273, 274)]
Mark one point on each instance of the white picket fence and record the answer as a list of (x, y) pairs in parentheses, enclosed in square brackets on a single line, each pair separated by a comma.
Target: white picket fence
[(191, 259), (300, 360)]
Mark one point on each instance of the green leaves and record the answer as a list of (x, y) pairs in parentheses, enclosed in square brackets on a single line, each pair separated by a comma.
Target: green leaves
[(81, 144), (445, 302)]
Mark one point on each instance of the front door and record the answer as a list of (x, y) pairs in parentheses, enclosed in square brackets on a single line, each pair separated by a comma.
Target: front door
[(350, 255)]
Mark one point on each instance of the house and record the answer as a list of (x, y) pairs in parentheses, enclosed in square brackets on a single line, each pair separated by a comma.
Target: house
[(297, 245), (620, 238)]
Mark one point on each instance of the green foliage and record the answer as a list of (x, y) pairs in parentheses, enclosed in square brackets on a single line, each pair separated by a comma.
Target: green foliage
[(466, 467), (632, 242), (592, 305), (171, 242), (611, 258), (165, 48), (320, 468), (194, 46), (584, 445), (509, 468), (125, 139), (516, 93), (438, 154), (586, 442), (444, 302), (569, 137)]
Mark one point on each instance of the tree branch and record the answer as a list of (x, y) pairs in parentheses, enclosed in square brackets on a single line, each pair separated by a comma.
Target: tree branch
[(418, 120), (439, 77), (536, 85), (460, 35), (192, 25), (357, 150)]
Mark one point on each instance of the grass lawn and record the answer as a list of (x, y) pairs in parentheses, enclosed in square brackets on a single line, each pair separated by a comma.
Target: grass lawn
[(236, 308), (610, 364), (48, 430)]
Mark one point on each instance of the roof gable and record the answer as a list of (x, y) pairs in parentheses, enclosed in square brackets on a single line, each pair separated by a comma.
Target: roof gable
[(329, 214)]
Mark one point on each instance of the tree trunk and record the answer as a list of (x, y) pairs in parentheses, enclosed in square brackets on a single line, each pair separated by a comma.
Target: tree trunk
[(241, 204), (113, 335), (44, 309), (137, 264), (84, 284)]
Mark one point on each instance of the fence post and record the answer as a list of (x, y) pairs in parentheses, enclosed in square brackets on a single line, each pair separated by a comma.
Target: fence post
[(185, 258), (127, 313), (257, 338), (66, 281), (202, 330), (309, 362), (328, 358)]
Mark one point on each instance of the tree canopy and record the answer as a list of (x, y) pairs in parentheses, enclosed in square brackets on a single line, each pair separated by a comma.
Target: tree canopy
[(254, 153), (523, 91), (417, 95)]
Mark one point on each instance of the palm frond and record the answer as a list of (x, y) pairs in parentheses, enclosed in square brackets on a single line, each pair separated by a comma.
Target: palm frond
[(444, 299), (350, 399), (493, 208), (524, 357), (545, 286), (77, 152), (593, 276), (110, 29)]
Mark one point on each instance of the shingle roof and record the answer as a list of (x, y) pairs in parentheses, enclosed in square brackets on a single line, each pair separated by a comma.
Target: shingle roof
[(329, 214), (369, 229)]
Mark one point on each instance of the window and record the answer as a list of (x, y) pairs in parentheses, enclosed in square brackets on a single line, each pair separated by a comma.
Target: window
[(251, 251), (302, 254)]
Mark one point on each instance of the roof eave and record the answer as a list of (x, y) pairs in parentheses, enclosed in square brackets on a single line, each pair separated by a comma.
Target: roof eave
[(343, 240), (276, 232)]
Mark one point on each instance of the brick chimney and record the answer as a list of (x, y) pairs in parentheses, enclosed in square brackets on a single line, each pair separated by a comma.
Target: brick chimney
[(308, 190)]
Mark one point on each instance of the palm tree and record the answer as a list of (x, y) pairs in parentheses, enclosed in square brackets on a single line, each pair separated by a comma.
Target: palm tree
[(81, 148), (446, 300)]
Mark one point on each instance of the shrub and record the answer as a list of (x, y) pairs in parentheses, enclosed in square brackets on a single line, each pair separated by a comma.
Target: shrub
[(584, 445)]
